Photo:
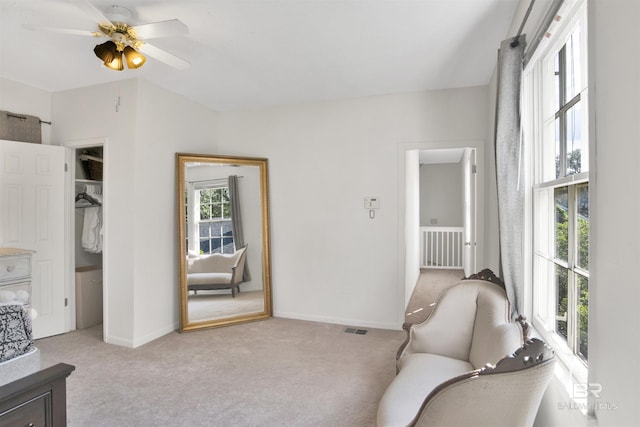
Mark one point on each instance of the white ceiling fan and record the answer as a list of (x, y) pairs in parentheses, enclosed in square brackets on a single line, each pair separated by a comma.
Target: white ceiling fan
[(126, 40)]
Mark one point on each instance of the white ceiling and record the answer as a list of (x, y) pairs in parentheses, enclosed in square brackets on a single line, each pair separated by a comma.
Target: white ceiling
[(257, 53)]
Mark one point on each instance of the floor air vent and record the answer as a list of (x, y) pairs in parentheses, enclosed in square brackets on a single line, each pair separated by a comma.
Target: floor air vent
[(356, 331)]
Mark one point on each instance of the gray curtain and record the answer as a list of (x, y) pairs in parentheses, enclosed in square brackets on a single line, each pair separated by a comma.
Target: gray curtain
[(236, 221), (508, 150)]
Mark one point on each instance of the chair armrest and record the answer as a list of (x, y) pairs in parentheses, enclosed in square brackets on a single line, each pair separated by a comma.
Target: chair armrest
[(526, 327), (237, 270), (407, 328)]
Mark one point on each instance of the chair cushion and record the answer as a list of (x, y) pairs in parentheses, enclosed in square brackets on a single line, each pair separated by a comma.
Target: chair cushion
[(208, 278), (419, 374)]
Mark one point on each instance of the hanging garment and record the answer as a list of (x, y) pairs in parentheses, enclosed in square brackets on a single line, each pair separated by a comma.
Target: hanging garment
[(92, 226)]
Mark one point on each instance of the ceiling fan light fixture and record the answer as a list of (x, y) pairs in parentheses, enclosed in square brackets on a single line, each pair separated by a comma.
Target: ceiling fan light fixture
[(134, 58), (116, 63), (106, 51)]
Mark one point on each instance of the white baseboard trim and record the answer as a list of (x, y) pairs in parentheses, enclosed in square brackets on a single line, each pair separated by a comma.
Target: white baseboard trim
[(338, 320), (142, 340), (123, 342), (155, 334)]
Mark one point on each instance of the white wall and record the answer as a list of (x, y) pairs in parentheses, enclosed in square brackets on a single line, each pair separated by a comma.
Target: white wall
[(166, 123), (441, 195), (614, 294), (91, 113), (331, 262), (22, 99), (144, 126)]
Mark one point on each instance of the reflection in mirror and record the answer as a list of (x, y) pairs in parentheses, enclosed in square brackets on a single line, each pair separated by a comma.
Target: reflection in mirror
[(223, 223)]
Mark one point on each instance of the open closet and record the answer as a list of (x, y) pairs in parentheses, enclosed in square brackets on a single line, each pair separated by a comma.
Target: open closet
[(89, 165)]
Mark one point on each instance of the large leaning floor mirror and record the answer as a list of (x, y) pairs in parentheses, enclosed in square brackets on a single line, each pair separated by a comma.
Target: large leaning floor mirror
[(223, 223)]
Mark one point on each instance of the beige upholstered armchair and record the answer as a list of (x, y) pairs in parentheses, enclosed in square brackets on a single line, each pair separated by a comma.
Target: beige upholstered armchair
[(467, 364), (506, 395), (216, 271)]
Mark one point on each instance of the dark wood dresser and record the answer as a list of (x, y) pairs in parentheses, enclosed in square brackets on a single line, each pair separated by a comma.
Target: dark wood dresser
[(37, 400)]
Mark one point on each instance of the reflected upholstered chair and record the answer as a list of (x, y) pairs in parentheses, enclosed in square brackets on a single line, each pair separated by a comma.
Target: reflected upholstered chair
[(216, 271)]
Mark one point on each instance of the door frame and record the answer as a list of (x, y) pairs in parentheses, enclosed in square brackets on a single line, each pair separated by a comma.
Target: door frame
[(408, 268), (470, 213), (70, 236)]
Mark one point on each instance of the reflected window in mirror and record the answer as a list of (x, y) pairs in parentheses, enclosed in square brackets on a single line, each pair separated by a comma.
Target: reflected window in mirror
[(214, 224)]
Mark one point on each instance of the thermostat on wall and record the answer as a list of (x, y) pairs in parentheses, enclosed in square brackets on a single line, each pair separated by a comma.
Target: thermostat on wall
[(372, 203)]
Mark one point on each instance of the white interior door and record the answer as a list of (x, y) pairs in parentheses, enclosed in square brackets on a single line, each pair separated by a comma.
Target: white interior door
[(32, 216), (469, 254)]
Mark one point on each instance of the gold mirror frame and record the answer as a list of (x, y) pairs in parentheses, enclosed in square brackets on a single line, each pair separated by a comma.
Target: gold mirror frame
[(182, 159)]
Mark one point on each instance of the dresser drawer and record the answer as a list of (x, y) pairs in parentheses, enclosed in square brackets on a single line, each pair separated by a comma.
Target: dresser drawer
[(14, 268), (15, 287), (34, 412)]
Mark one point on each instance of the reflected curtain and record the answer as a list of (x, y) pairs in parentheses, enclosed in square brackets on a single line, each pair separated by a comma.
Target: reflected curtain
[(508, 152), (236, 221)]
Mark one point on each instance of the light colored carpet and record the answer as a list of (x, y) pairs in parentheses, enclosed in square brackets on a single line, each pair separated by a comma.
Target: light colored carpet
[(205, 305), (276, 372), (431, 283)]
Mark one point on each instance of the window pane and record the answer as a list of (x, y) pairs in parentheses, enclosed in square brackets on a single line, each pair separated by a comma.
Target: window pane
[(205, 196), (562, 300), (573, 73), (559, 166), (577, 158), (215, 229), (205, 246), (227, 231), (583, 317), (561, 223), (228, 246), (215, 245), (216, 211), (205, 212), (205, 229), (582, 202)]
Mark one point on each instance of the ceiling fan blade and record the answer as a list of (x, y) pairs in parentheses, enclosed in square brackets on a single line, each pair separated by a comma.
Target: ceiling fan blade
[(172, 27), (164, 56), (64, 31), (94, 13)]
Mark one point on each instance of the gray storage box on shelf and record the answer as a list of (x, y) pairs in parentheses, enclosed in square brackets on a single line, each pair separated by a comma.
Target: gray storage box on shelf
[(88, 296)]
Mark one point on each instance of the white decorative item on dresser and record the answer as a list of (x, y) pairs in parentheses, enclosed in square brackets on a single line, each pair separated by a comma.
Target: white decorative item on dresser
[(15, 275)]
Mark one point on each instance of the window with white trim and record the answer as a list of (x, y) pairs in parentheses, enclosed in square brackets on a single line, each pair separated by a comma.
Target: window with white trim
[(214, 221), (555, 117)]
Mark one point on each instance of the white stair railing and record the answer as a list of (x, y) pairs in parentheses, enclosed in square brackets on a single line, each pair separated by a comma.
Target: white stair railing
[(441, 247)]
